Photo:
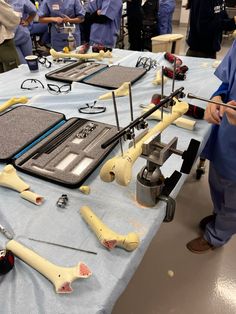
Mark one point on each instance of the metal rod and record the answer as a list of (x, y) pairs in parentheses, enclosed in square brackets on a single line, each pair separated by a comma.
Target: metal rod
[(173, 80), (114, 138), (131, 110), (191, 96), (162, 90), (64, 246), (117, 120)]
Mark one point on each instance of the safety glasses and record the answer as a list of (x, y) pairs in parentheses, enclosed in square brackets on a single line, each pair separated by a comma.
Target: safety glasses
[(32, 84), (92, 109), (45, 62), (146, 63)]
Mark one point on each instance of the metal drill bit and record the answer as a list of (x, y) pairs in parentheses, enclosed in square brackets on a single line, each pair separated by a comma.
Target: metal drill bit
[(131, 110), (162, 90), (64, 246), (117, 120), (191, 96)]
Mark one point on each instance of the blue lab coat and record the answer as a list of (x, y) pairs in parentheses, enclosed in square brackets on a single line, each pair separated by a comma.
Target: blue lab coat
[(22, 34), (105, 34), (165, 14), (221, 151), (55, 8)]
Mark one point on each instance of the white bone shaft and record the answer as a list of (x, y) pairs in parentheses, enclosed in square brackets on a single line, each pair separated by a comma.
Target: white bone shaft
[(180, 122), (61, 277), (120, 168), (32, 197), (99, 56), (106, 236)]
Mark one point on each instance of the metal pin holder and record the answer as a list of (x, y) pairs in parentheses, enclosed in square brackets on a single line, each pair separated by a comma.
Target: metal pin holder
[(151, 184)]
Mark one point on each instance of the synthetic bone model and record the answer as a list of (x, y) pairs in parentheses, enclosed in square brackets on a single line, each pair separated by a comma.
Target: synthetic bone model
[(105, 235), (180, 122), (10, 179), (99, 56), (13, 101), (119, 168), (123, 90), (158, 79), (61, 277)]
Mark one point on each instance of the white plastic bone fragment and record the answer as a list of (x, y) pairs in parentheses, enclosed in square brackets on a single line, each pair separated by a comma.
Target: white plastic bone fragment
[(158, 79), (119, 168), (181, 122), (10, 179), (82, 166), (61, 277), (85, 189), (12, 102), (105, 235), (123, 90), (32, 197), (99, 56), (66, 161)]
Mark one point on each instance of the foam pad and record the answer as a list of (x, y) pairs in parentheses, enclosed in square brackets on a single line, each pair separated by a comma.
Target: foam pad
[(114, 76), (22, 125)]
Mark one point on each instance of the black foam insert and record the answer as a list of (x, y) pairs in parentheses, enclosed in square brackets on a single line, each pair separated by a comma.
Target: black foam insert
[(114, 76), (75, 72), (21, 126)]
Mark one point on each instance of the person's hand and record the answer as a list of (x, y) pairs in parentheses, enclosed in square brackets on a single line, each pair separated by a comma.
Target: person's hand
[(66, 19), (99, 12), (24, 23), (231, 113), (213, 112), (58, 20)]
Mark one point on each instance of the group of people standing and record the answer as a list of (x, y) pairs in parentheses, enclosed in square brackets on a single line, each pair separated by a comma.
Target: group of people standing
[(50, 17), (208, 20)]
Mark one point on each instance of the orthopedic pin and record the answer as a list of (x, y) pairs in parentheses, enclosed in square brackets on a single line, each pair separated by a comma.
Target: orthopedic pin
[(191, 96), (117, 120)]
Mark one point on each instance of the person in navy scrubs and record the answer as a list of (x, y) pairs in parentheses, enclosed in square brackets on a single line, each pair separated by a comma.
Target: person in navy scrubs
[(221, 151)]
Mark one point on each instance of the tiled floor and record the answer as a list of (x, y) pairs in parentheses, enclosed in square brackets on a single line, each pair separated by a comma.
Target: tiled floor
[(170, 279)]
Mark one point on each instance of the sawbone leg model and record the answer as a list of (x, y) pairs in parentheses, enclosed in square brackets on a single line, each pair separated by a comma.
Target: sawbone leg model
[(99, 56), (123, 90), (180, 122), (61, 277), (119, 168), (13, 101), (158, 79), (105, 235), (10, 179)]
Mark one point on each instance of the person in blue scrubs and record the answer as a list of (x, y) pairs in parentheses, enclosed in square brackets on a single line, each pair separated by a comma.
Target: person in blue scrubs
[(165, 14), (221, 151), (105, 16), (58, 12), (40, 29), (22, 34)]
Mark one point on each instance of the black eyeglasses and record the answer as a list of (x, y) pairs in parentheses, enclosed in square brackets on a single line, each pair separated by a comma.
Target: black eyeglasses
[(146, 63), (45, 62), (92, 109), (31, 84)]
